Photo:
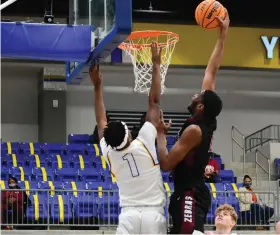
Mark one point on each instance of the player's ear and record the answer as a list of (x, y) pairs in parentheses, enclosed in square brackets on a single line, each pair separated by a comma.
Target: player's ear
[(200, 107)]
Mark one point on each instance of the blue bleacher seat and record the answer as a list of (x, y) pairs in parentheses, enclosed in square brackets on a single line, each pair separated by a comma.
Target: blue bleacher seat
[(170, 140), (87, 175), (61, 209), (85, 206), (4, 173), (9, 148), (227, 176), (36, 160), (33, 186), (54, 148), (217, 190), (67, 174), (42, 174), (13, 160), (80, 161), (75, 187), (38, 204), (210, 218), (109, 208), (75, 148), (165, 176), (20, 173), (56, 186), (56, 161), (277, 161), (31, 148), (78, 139), (92, 150)]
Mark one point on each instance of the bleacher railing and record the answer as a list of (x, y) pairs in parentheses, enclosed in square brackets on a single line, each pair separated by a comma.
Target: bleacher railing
[(98, 209), (267, 134), (267, 170)]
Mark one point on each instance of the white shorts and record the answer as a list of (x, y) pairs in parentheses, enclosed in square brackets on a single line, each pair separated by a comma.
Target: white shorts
[(142, 220)]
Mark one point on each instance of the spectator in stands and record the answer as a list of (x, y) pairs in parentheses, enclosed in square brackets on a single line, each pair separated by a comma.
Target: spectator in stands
[(251, 207), (225, 220), (14, 204), (212, 171), (278, 227)]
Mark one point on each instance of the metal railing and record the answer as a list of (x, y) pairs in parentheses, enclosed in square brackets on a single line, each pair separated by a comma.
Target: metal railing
[(237, 143), (258, 164), (267, 134), (100, 209)]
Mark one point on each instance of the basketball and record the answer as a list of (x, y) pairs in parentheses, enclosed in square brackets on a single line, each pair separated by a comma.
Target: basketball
[(209, 169), (206, 12)]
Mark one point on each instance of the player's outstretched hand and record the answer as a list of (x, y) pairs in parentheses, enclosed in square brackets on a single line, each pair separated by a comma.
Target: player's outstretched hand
[(162, 126), (156, 53), (95, 75), (224, 23)]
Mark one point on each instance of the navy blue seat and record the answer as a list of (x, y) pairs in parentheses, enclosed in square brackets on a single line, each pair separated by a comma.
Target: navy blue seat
[(78, 139), (85, 206), (54, 148), (54, 187), (171, 140), (13, 160), (210, 218), (36, 160), (217, 190), (10, 147), (75, 148), (61, 209), (75, 187), (88, 175), (38, 210), (227, 176), (31, 148), (67, 174), (20, 173), (109, 208), (93, 150), (80, 161), (55, 161), (42, 174)]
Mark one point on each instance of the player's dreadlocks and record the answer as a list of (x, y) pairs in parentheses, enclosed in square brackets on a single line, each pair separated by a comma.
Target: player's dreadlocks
[(114, 133)]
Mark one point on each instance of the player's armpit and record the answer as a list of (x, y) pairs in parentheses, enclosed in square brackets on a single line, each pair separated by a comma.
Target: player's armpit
[(190, 139)]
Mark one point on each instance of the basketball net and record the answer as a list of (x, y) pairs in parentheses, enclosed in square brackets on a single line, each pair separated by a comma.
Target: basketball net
[(138, 47)]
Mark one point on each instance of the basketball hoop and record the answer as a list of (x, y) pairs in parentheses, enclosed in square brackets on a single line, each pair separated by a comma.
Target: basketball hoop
[(138, 47)]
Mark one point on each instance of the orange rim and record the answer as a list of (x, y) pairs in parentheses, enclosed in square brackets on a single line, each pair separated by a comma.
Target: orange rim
[(148, 34)]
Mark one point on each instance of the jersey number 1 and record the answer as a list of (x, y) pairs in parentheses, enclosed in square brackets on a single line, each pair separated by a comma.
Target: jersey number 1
[(132, 164)]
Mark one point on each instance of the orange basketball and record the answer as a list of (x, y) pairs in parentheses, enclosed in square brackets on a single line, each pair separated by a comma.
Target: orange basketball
[(206, 12)]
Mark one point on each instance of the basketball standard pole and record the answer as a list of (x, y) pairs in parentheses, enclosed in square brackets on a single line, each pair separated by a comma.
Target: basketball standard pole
[(5, 4)]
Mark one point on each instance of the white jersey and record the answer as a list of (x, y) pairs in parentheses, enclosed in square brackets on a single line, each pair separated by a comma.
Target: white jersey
[(137, 170)]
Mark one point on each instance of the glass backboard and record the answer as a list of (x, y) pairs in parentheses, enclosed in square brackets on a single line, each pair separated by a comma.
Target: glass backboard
[(111, 22)]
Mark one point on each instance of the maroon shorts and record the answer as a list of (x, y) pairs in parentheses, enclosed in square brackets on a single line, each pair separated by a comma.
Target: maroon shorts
[(188, 211)]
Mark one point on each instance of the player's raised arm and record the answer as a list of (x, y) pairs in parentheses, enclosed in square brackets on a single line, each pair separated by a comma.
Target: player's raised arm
[(100, 113), (190, 139), (209, 81), (153, 113)]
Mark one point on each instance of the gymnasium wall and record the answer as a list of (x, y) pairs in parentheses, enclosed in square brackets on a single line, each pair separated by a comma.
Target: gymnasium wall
[(19, 103)]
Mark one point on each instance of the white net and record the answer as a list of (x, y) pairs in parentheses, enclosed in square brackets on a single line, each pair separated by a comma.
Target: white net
[(138, 48)]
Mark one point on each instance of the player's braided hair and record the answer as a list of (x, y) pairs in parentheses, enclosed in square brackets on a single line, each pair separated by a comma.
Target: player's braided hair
[(114, 133)]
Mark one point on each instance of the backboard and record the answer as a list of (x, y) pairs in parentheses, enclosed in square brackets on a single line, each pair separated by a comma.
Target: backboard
[(111, 22)]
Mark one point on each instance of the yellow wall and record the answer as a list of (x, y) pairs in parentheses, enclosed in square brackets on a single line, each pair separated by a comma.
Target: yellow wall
[(244, 47)]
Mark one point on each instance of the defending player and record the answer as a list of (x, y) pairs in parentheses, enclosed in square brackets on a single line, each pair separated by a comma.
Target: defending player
[(189, 156), (134, 163)]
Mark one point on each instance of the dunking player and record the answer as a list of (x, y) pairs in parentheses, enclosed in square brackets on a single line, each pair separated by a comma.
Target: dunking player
[(134, 163), (189, 156)]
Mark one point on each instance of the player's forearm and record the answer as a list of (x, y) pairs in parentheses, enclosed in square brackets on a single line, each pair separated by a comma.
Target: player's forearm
[(162, 151), (100, 112), (216, 57), (155, 91)]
